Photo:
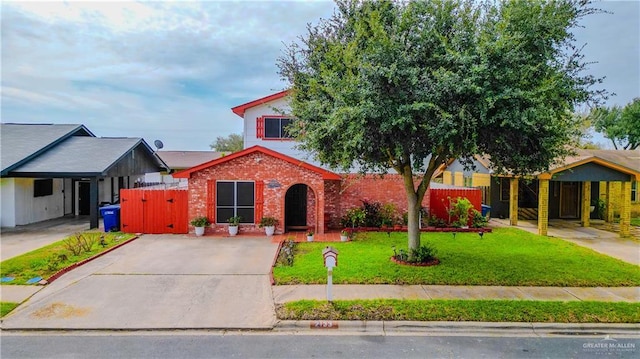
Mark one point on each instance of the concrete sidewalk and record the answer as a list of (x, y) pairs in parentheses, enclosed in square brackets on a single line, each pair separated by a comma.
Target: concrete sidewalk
[(288, 293)]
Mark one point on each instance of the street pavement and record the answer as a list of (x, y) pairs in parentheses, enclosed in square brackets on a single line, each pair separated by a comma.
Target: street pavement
[(187, 282)]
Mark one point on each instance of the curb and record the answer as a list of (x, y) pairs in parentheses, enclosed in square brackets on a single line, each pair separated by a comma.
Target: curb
[(463, 328)]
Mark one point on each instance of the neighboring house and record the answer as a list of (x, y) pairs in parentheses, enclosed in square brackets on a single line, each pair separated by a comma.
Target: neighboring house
[(53, 170), (571, 190), (178, 161), (271, 177)]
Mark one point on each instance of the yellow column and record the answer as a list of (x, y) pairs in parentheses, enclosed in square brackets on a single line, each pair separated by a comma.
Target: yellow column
[(625, 209), (543, 207), (513, 201), (609, 204), (586, 203), (446, 177), (458, 179)]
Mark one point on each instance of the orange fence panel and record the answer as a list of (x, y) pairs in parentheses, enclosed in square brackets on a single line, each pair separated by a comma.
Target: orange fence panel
[(154, 211)]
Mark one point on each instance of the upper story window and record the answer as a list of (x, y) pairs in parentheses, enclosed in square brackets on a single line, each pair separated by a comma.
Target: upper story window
[(273, 127)]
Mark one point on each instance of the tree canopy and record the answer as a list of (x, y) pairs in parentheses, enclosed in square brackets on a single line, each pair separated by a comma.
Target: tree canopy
[(232, 143), (408, 85), (620, 125)]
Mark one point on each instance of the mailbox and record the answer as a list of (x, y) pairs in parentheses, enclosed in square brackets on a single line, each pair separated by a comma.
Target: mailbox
[(330, 256)]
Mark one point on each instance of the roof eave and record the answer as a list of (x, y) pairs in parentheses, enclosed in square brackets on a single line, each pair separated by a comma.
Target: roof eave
[(240, 109)]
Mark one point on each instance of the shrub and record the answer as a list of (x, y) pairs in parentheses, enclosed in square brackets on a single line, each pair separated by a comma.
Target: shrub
[(354, 217), (372, 213), (478, 220), (73, 244), (423, 254)]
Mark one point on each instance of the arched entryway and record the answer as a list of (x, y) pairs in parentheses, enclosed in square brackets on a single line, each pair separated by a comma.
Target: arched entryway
[(298, 207)]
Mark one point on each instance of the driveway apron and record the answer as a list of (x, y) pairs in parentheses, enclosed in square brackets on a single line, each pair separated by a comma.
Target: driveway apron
[(160, 282)]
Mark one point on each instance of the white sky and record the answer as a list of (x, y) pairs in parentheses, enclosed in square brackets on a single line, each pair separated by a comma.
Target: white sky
[(172, 71)]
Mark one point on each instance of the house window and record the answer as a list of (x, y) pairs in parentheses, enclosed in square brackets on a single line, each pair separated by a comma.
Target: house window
[(273, 127), (42, 187), (235, 198), (634, 191)]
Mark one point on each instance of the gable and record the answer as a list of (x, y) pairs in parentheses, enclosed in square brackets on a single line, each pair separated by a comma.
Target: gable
[(591, 171), (327, 175)]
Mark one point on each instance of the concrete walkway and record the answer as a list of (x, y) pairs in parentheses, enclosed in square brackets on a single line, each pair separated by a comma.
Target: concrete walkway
[(288, 293)]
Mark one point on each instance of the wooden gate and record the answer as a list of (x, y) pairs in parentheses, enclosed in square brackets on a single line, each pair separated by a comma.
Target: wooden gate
[(153, 211)]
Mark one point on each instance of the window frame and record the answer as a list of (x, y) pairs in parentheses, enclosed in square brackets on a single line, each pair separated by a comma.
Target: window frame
[(634, 192), (235, 205), (261, 125), (43, 187)]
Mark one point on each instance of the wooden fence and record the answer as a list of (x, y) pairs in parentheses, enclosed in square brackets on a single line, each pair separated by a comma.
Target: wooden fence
[(154, 211)]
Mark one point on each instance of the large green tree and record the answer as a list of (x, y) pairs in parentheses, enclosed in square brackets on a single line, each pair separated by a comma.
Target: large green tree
[(232, 143), (407, 85), (620, 125)]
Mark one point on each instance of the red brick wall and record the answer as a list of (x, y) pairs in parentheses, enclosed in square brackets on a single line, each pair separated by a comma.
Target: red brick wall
[(327, 202), (276, 174), (373, 188)]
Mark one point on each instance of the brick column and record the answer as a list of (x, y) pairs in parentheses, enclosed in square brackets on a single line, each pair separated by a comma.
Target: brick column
[(625, 209), (586, 203), (513, 201), (608, 217), (543, 207)]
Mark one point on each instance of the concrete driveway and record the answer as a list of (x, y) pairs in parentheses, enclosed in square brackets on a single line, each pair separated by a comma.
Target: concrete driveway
[(160, 282)]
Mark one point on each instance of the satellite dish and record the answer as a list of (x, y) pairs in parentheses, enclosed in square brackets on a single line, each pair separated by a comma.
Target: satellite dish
[(158, 144)]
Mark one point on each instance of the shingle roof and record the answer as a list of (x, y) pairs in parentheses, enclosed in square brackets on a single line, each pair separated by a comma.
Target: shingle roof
[(88, 155), (187, 159), (20, 142)]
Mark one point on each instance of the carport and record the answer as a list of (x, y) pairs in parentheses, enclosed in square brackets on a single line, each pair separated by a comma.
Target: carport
[(570, 184)]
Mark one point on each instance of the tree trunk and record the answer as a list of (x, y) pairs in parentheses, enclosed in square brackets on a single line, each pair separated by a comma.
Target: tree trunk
[(414, 203)]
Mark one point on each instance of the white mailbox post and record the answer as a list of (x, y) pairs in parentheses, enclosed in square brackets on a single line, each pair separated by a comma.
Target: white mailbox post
[(330, 257)]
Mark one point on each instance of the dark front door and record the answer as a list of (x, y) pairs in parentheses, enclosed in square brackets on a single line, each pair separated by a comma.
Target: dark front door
[(84, 205), (295, 207), (570, 200)]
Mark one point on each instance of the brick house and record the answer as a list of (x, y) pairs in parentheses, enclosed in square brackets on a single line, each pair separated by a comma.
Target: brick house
[(270, 177)]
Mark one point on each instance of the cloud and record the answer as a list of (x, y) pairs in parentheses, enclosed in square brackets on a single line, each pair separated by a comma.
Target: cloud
[(155, 70), (173, 70)]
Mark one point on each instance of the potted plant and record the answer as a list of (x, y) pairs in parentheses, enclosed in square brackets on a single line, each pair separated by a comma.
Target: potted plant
[(233, 225), (310, 235), (344, 235), (269, 224), (200, 223)]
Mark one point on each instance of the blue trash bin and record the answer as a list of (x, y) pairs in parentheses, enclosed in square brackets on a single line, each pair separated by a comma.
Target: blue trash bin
[(111, 217), (486, 210)]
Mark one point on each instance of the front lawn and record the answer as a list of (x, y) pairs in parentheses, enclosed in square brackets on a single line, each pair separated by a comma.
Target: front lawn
[(46, 261), (6, 308), (507, 256), (635, 221), (463, 310)]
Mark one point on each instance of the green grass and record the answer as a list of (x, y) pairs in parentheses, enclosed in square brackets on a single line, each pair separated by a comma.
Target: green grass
[(46, 261), (7, 307), (635, 221), (463, 310), (508, 256)]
